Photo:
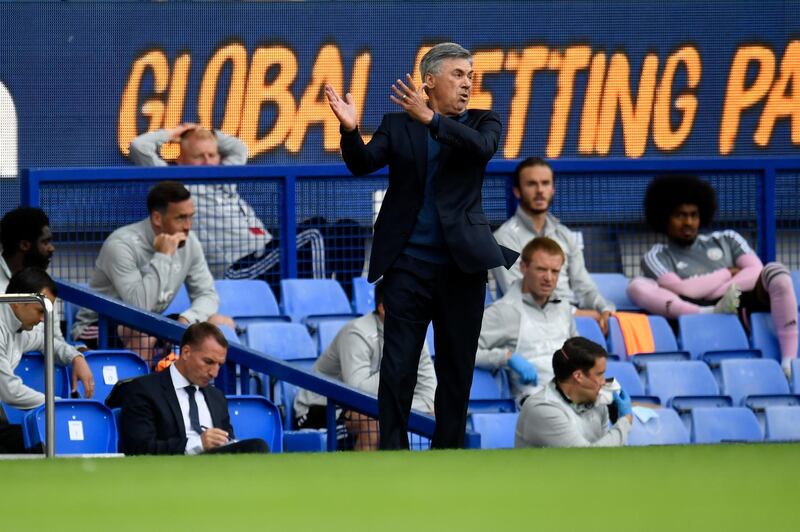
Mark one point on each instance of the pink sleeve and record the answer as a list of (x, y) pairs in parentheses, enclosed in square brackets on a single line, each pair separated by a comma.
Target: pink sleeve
[(750, 268), (699, 287)]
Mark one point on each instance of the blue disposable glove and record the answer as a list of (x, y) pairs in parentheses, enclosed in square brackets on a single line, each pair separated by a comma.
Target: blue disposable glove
[(623, 402), (525, 370)]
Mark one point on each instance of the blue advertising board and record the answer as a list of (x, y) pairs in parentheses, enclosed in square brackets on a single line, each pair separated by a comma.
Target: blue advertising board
[(582, 79)]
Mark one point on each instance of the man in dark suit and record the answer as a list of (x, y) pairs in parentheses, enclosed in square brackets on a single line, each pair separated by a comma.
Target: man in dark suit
[(163, 413), (432, 242)]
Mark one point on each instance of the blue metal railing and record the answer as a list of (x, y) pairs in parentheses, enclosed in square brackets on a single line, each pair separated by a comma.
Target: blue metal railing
[(248, 359)]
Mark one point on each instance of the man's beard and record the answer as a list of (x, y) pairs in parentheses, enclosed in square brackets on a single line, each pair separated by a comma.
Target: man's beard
[(683, 242), (35, 260)]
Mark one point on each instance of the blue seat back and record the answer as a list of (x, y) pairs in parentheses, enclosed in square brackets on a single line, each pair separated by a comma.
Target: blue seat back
[(311, 297), (254, 416), (717, 425), (763, 337), (82, 427), (327, 331), (626, 375), (667, 379), (363, 296), (665, 429), (614, 288), (590, 329), (109, 366), (31, 370), (740, 378), (429, 340), (663, 337), (782, 423), (496, 428), (699, 333), (490, 392), (796, 282), (486, 385), (246, 298), (287, 341), (179, 303), (795, 365), (288, 392)]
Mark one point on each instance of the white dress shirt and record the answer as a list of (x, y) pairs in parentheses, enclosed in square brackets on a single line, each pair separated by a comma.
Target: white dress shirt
[(194, 445)]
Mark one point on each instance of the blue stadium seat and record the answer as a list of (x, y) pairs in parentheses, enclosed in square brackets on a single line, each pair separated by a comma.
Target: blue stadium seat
[(230, 334), (614, 288), (782, 423), (288, 392), (327, 331), (796, 375), (179, 303), (763, 337), (247, 301), (496, 428), (490, 392), (309, 300), (796, 282), (748, 380), (31, 370), (363, 296), (82, 427), (714, 337), (732, 424), (109, 366), (287, 341), (488, 300), (689, 380), (666, 429), (254, 416), (590, 329), (429, 340), (626, 375), (666, 348)]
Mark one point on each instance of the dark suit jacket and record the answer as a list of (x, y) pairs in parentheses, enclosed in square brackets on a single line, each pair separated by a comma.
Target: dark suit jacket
[(401, 142), (151, 421)]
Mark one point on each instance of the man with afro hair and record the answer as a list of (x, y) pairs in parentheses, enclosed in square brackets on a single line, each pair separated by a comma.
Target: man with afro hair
[(715, 272)]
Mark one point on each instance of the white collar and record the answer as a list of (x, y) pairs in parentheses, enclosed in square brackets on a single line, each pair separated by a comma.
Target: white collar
[(178, 380)]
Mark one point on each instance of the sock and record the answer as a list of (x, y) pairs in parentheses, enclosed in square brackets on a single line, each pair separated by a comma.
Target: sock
[(783, 306)]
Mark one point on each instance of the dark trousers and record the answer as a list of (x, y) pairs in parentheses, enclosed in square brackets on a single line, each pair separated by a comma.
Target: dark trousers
[(416, 292)]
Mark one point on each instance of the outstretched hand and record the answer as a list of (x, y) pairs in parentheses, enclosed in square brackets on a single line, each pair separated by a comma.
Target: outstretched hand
[(343, 108), (411, 99)]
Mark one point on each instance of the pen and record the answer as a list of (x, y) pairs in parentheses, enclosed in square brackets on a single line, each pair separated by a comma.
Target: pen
[(204, 428)]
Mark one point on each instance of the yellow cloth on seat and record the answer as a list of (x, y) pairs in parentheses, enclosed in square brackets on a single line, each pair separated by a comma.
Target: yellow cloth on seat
[(636, 332)]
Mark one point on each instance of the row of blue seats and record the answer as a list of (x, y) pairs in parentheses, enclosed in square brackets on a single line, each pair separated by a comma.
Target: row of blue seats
[(682, 383), (711, 337)]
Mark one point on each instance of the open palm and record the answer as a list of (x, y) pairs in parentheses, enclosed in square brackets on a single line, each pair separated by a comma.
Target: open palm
[(343, 108)]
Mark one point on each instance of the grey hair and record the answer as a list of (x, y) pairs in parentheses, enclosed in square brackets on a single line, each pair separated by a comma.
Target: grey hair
[(432, 60)]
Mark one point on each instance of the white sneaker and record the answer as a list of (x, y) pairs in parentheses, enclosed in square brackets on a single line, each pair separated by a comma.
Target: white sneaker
[(729, 303), (787, 367)]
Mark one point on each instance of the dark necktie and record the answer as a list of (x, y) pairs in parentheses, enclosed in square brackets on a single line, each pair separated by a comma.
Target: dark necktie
[(194, 416)]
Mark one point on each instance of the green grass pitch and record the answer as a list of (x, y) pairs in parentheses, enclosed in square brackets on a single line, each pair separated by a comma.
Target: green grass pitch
[(727, 487)]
